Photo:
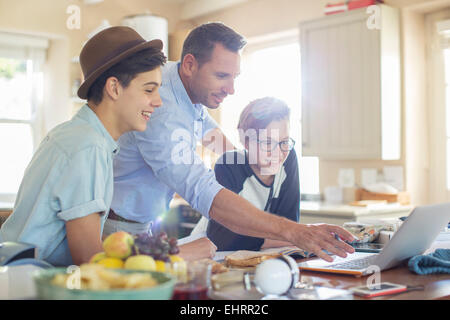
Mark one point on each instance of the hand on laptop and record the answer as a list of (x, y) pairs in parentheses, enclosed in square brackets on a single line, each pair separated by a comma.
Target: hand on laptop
[(315, 238)]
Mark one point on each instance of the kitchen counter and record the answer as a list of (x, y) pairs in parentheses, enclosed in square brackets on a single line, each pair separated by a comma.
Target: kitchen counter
[(5, 210), (6, 206), (339, 213)]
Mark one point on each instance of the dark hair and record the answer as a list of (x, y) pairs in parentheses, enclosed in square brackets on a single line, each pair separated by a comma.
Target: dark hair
[(200, 41), (126, 70)]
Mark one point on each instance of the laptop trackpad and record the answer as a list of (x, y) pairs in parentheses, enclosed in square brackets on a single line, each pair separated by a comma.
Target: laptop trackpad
[(319, 263)]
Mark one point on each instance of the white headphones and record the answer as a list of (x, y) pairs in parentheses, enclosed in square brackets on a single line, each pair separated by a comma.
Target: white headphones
[(274, 276)]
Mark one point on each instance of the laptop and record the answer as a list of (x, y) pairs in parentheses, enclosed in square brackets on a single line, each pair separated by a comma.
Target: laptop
[(415, 235)]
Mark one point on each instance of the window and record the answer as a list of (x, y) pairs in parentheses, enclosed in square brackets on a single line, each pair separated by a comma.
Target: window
[(443, 28), (272, 68), (21, 82), (447, 110)]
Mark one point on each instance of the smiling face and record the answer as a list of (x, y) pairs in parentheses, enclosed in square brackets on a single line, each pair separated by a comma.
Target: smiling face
[(269, 162), (138, 100), (210, 82)]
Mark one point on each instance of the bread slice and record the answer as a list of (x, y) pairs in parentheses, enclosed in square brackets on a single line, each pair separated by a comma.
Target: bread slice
[(216, 267), (246, 258)]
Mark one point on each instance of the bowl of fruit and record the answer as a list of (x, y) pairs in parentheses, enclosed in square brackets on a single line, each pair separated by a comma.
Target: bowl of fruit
[(131, 267)]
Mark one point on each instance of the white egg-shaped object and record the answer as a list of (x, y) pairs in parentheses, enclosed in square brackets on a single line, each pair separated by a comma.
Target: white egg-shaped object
[(273, 276)]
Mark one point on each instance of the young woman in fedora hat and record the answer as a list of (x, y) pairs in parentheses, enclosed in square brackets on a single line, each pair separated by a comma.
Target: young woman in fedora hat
[(67, 187)]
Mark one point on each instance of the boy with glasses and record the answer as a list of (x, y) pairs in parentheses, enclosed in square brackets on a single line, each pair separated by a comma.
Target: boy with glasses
[(265, 173)]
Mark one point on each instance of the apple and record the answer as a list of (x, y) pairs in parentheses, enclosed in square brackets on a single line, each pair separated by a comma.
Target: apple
[(140, 262), (118, 245)]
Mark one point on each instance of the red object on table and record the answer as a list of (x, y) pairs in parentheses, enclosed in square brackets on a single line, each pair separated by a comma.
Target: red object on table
[(385, 293), (190, 292)]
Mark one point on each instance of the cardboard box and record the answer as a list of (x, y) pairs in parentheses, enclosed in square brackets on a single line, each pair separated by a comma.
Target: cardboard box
[(403, 197)]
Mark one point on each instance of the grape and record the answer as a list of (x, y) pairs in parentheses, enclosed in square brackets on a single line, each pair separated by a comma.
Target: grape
[(142, 238), (165, 247), (162, 235), (174, 250), (173, 242), (143, 244), (157, 251), (159, 246), (159, 242)]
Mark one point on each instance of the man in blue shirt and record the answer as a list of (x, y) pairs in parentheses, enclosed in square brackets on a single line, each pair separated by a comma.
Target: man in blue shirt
[(160, 161), (67, 188)]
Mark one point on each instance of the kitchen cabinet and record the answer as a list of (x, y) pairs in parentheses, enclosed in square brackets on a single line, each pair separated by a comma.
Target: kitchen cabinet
[(351, 88)]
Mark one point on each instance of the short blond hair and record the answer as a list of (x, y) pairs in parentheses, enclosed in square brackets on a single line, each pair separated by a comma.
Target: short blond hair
[(259, 113)]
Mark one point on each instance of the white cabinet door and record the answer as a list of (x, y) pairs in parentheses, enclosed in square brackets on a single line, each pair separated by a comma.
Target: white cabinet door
[(351, 86)]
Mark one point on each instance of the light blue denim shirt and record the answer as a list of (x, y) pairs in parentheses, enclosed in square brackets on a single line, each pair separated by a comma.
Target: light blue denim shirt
[(70, 176), (154, 164)]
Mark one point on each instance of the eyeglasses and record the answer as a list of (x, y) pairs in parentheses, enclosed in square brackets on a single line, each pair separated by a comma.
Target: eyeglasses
[(270, 145)]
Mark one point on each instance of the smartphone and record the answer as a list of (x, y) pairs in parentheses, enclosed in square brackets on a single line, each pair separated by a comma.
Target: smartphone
[(320, 293), (367, 247), (384, 288)]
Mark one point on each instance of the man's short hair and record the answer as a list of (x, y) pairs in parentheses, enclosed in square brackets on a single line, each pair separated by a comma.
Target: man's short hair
[(126, 70), (259, 113), (201, 41)]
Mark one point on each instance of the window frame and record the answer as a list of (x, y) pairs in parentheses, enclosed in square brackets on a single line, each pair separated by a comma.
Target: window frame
[(277, 39), (34, 49), (436, 101)]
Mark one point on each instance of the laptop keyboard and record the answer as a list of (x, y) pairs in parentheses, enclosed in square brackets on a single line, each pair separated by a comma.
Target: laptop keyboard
[(355, 264)]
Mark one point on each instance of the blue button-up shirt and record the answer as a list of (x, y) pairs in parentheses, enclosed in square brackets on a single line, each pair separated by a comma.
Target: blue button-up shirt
[(154, 164), (70, 176)]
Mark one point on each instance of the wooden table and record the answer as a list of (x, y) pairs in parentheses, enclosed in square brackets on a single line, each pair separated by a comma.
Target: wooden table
[(435, 286)]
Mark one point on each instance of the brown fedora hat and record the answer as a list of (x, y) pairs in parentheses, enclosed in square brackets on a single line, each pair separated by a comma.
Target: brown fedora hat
[(107, 48)]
